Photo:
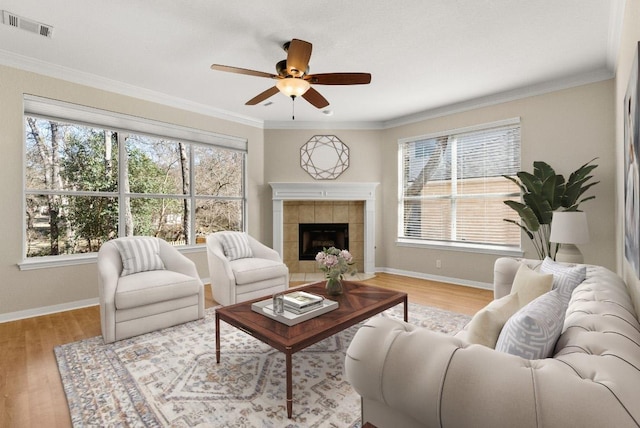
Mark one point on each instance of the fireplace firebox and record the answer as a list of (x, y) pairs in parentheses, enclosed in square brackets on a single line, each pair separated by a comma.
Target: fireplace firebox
[(313, 237)]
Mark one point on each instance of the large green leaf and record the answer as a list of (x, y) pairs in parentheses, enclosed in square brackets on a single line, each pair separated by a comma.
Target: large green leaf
[(527, 215), (582, 172), (577, 184), (516, 181), (529, 234), (541, 207), (543, 170), (573, 192), (532, 183), (552, 191)]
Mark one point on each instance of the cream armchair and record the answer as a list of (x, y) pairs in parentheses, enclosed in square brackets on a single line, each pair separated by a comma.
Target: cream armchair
[(141, 302), (255, 271)]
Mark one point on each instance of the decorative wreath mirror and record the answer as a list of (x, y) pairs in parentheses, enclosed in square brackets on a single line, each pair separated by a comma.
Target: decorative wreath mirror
[(324, 157)]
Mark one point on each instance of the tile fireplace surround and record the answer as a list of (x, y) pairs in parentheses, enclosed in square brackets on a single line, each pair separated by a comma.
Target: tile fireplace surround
[(319, 202)]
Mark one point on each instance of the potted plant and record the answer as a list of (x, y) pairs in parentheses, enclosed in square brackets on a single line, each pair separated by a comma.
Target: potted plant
[(544, 192)]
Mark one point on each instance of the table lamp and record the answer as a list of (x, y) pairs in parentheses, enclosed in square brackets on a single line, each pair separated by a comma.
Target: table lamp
[(567, 229)]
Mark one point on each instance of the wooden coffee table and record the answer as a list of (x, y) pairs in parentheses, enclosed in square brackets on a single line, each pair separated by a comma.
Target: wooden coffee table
[(356, 304)]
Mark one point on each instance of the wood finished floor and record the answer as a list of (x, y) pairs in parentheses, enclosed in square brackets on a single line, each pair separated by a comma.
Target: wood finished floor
[(31, 393)]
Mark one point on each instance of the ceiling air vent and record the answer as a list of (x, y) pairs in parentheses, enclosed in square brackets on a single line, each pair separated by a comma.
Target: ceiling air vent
[(29, 25)]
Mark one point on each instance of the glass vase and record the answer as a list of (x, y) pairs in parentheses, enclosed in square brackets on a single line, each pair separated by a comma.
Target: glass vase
[(334, 286)]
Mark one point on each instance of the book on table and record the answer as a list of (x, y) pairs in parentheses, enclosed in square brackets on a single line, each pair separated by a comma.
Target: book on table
[(301, 301), (303, 310), (290, 318)]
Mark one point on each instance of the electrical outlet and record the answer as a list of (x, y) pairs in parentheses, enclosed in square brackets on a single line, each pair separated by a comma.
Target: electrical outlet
[(438, 264)]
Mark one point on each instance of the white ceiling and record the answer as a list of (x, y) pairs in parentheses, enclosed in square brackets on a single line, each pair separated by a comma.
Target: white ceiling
[(425, 56)]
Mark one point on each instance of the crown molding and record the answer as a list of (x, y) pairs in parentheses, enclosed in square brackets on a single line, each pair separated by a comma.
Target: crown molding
[(74, 76), (25, 63), (475, 103), (503, 97), (321, 125)]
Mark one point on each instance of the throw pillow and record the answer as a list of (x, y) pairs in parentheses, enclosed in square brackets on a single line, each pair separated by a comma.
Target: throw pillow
[(235, 245), (533, 331), (565, 278), (485, 326), (529, 284), (139, 254)]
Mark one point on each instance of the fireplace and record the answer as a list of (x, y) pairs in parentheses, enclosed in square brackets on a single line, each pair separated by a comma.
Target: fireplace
[(359, 196), (313, 237)]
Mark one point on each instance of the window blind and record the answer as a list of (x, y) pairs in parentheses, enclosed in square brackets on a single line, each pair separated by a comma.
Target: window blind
[(453, 186)]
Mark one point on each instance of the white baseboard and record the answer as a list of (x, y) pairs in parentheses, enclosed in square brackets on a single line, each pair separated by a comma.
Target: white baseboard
[(46, 310), (420, 275)]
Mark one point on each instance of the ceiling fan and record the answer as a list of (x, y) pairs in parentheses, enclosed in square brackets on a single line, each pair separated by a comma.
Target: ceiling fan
[(293, 78)]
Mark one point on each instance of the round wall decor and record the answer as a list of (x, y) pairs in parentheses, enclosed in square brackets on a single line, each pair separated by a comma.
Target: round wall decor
[(324, 157)]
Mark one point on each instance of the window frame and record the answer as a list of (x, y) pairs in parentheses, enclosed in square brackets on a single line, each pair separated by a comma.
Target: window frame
[(449, 245), (123, 124)]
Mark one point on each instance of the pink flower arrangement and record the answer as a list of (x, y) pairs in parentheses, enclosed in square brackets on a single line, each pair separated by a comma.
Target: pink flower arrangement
[(334, 262)]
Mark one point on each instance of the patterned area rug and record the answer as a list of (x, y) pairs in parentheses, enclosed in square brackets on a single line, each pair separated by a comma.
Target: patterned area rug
[(170, 378)]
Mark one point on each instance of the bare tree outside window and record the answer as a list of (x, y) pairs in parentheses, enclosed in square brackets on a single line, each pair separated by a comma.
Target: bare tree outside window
[(77, 191)]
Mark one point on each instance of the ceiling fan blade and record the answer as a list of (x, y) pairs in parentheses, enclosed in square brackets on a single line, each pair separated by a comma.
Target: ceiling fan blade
[(298, 55), (262, 96), (315, 98), (339, 78), (239, 70)]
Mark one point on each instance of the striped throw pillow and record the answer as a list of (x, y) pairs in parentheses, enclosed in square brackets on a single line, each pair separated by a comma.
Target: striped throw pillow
[(139, 254), (235, 245)]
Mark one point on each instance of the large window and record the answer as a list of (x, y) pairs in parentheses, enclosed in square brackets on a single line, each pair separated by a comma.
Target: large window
[(88, 182), (452, 187)]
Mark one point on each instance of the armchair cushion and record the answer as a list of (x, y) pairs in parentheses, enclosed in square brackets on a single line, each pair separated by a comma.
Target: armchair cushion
[(135, 290), (235, 245), (533, 331), (139, 254), (251, 270)]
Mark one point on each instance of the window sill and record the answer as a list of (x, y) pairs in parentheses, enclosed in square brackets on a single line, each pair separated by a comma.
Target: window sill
[(462, 247), (47, 262)]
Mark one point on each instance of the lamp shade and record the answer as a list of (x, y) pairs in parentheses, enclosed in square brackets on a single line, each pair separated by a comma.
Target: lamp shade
[(569, 227), (292, 86)]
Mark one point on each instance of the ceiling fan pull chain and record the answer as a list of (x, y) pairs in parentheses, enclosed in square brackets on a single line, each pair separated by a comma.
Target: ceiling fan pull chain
[(293, 107)]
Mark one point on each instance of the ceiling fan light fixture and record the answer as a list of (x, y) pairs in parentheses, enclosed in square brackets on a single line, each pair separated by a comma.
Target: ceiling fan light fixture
[(293, 86)]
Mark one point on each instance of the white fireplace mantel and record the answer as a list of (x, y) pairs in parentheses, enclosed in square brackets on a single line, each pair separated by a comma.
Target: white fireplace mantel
[(325, 191)]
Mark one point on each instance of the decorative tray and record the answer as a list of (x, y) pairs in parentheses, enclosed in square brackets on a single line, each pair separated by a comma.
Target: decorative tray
[(265, 307)]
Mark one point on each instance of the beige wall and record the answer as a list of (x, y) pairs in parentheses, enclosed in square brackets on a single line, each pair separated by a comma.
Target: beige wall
[(21, 291), (282, 164), (628, 46), (564, 128)]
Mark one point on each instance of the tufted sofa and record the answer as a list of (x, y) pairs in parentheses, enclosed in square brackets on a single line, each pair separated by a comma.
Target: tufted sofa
[(411, 377)]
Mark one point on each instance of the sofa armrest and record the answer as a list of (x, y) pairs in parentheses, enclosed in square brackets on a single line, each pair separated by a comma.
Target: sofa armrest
[(439, 380), (504, 271), (400, 365)]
